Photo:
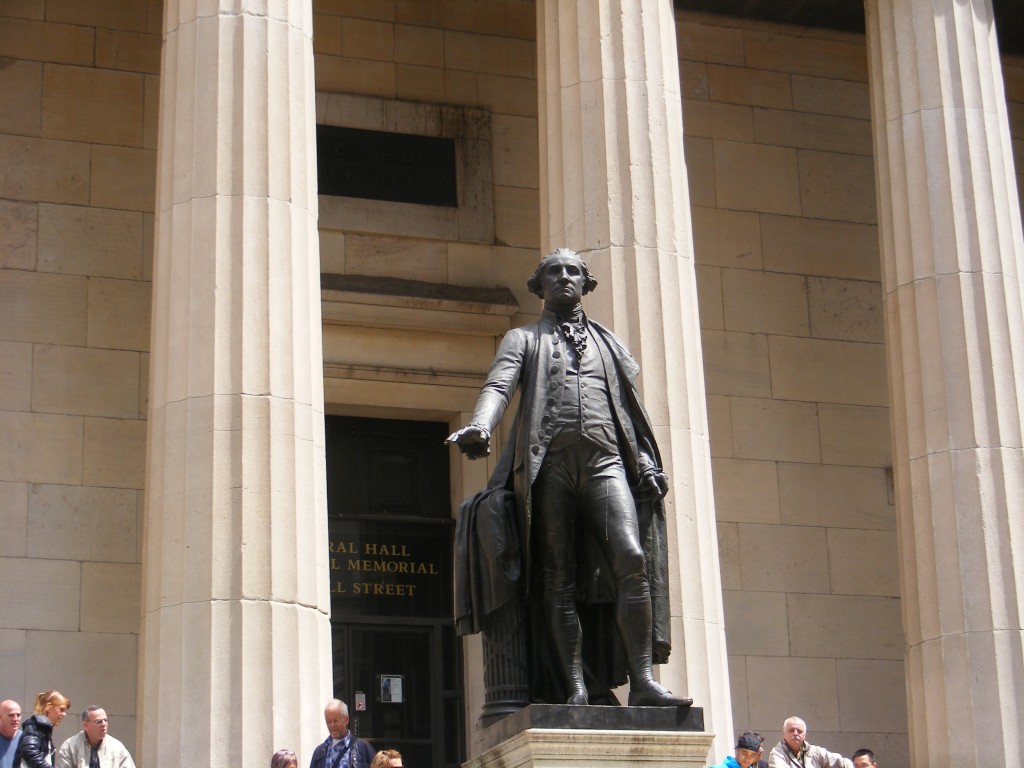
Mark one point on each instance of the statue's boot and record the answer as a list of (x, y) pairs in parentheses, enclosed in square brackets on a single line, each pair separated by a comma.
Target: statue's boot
[(566, 641), (634, 620)]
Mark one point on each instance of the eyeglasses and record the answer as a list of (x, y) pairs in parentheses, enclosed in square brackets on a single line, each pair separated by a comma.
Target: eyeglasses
[(104, 721)]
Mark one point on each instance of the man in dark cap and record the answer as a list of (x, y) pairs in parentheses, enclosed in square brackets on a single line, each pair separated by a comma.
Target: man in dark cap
[(748, 752)]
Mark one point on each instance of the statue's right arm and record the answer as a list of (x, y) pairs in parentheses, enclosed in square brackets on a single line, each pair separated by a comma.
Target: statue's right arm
[(502, 381), (496, 393)]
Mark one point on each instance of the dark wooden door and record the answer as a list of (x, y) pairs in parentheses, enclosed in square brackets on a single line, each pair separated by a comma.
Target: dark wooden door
[(397, 661)]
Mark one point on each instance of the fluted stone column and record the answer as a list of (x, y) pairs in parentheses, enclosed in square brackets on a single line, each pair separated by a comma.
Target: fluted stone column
[(235, 657), (613, 186), (952, 258)]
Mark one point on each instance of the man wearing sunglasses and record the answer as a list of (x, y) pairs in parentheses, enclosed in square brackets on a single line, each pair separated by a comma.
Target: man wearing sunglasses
[(93, 747)]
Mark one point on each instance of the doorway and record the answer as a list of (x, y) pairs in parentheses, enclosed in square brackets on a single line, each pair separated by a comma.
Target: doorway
[(396, 659), (409, 706)]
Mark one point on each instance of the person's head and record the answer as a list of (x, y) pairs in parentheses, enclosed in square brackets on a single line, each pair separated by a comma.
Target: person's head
[(336, 717), (864, 758), (794, 732), (53, 704), (561, 279), (748, 748), (284, 758), (94, 723), (10, 718), (387, 758)]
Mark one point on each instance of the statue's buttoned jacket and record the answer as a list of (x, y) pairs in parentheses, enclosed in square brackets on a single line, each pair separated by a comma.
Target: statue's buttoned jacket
[(535, 360)]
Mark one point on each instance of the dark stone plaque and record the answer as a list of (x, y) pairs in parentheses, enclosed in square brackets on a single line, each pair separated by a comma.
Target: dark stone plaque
[(390, 569)]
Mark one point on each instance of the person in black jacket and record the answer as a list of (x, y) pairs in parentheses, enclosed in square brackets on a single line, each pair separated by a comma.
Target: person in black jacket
[(36, 747), (341, 749)]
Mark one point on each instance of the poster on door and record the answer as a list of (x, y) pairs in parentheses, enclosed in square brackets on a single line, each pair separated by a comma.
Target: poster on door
[(390, 689)]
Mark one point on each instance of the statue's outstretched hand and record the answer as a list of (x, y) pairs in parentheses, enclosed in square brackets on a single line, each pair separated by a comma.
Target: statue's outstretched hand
[(473, 441), (654, 485)]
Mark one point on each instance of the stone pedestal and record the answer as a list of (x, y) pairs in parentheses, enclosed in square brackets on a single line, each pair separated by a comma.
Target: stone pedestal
[(560, 736)]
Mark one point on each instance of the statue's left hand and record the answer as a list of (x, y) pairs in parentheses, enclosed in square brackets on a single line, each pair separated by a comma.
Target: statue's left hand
[(654, 485)]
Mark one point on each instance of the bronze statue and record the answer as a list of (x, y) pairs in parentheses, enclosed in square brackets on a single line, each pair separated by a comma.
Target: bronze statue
[(583, 468)]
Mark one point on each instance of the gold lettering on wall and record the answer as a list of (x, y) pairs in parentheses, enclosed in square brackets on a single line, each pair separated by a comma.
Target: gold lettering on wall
[(364, 569)]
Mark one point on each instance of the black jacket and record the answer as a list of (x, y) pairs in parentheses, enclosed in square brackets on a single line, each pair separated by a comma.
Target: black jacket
[(36, 743)]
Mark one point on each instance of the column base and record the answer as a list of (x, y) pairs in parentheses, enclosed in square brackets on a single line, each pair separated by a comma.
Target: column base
[(627, 737)]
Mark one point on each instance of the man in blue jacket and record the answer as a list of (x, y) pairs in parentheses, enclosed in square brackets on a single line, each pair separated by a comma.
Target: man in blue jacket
[(10, 732), (341, 749)]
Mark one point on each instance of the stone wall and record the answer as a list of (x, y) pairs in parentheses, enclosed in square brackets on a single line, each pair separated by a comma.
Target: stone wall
[(779, 149), (79, 86), (479, 55)]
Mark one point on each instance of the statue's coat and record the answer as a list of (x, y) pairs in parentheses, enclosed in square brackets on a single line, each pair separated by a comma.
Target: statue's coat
[(533, 359)]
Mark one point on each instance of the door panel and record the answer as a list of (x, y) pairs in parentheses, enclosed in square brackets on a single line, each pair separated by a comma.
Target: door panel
[(369, 655), (391, 609)]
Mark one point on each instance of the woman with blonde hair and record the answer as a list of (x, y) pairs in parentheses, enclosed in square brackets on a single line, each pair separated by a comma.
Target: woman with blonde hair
[(284, 758), (387, 758), (36, 747)]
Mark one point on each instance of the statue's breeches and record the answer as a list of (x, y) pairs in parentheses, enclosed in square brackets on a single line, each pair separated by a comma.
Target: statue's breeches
[(583, 484)]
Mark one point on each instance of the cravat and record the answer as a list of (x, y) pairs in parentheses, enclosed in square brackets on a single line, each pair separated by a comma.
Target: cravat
[(94, 758), (574, 329)]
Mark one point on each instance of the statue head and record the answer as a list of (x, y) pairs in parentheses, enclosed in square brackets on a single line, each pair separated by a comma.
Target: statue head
[(535, 285)]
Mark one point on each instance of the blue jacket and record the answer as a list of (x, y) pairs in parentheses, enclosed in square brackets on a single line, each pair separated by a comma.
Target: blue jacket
[(361, 755), (729, 762)]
